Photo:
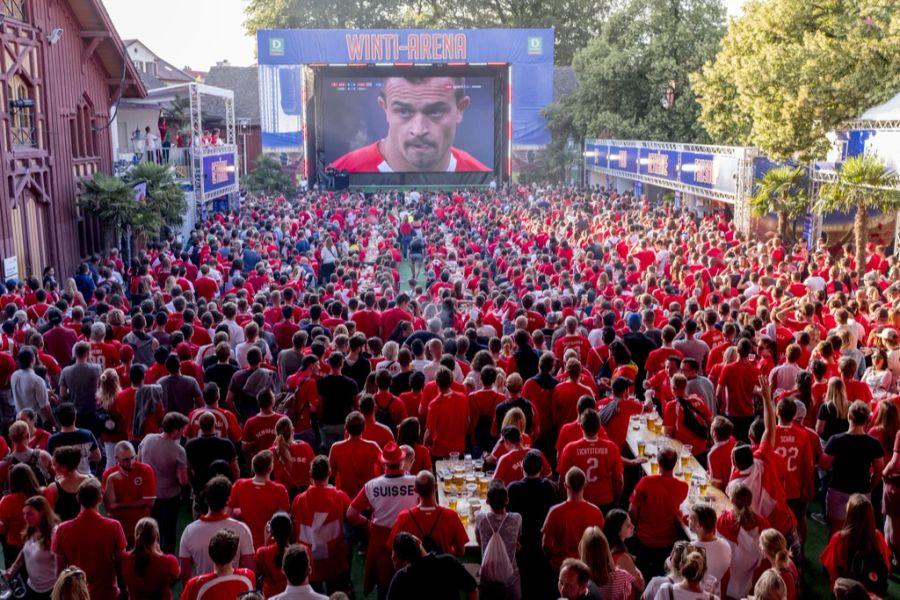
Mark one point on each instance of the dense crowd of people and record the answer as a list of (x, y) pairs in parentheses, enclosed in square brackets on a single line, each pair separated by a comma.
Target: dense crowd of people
[(275, 376)]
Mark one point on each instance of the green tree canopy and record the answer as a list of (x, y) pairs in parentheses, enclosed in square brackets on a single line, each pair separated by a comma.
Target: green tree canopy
[(863, 184), (789, 71), (638, 64), (781, 191), (269, 178), (575, 21)]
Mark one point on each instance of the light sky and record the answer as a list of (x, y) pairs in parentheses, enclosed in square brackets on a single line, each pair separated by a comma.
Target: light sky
[(199, 33)]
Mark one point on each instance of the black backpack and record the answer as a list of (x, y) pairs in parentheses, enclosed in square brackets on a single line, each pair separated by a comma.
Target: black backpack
[(869, 568), (383, 416), (34, 463), (416, 246), (428, 542), (693, 419)]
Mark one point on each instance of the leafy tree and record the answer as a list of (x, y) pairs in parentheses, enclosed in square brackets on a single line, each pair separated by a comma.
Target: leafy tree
[(780, 191), (111, 200), (575, 21), (863, 184), (633, 77), (789, 71), (165, 197), (269, 178)]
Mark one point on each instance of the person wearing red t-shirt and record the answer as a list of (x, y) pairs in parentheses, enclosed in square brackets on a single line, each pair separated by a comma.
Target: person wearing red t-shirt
[(482, 408), (572, 339), (448, 418), (354, 461), (130, 489), (734, 393), (227, 425), (254, 500), (682, 408), (719, 458), (279, 533), (656, 360), (318, 516), (225, 582), (285, 329), (292, 458), (656, 513), (368, 320), (428, 520), (392, 316), (567, 393), (259, 430), (509, 466), (566, 522), (374, 431), (600, 460), (615, 414), (100, 558), (306, 398), (792, 443), (157, 572), (387, 405)]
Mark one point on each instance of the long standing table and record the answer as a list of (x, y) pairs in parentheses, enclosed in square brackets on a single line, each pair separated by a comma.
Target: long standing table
[(444, 500), (714, 495)]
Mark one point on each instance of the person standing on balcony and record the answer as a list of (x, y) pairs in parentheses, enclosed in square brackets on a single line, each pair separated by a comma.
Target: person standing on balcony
[(151, 145)]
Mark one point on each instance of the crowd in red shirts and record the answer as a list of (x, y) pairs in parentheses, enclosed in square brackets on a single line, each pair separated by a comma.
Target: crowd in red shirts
[(277, 366)]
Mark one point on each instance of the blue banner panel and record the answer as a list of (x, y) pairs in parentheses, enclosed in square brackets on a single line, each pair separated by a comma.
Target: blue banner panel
[(623, 159), (529, 52), (219, 172), (698, 169), (658, 163)]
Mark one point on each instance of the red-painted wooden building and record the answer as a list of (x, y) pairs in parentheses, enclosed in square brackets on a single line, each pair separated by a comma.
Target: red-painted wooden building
[(62, 69)]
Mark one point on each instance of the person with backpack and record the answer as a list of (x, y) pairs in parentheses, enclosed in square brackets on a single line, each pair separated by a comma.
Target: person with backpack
[(21, 453), (389, 411), (497, 532), (439, 528), (143, 343), (687, 418), (859, 551)]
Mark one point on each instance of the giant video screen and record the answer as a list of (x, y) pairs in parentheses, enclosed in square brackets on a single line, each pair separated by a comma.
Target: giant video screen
[(411, 121)]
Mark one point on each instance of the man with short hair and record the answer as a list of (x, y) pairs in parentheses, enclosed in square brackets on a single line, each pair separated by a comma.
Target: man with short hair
[(196, 538), (181, 393), (296, 566), (58, 340), (28, 389), (129, 489), (336, 397), (318, 517), (702, 521), (448, 418), (203, 451), (259, 430), (566, 522), (354, 461), (70, 435), (441, 575), (227, 425), (656, 512), (92, 542), (247, 384), (429, 521), (224, 580), (574, 577), (600, 460), (165, 455), (255, 499), (735, 391)]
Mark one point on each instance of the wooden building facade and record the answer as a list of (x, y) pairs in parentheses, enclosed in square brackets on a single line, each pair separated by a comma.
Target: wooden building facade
[(62, 69)]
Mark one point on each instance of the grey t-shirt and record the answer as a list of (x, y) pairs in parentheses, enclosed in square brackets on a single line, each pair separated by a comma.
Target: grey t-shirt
[(166, 457), (180, 393), (81, 382)]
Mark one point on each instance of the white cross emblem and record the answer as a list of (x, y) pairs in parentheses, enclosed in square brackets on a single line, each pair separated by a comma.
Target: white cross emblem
[(318, 534)]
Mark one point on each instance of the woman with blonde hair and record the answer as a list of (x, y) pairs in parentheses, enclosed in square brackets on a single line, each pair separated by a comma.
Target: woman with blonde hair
[(107, 390), (607, 580), (692, 571), (832, 417), (514, 417), (71, 585), (292, 458), (770, 586), (71, 289), (774, 549)]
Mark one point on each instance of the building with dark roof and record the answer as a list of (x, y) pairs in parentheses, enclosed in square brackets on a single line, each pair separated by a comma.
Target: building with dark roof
[(244, 82)]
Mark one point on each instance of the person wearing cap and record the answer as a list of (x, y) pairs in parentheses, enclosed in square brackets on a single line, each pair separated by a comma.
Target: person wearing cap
[(384, 497), (428, 519)]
